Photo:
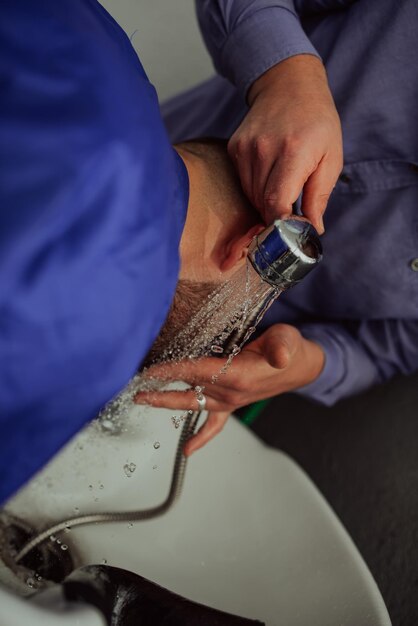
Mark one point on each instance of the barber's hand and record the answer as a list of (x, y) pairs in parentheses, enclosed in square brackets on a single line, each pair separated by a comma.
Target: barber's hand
[(279, 360), (289, 141)]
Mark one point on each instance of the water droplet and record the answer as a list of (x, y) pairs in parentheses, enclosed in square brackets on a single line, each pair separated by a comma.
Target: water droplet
[(30, 582), (129, 469), (101, 486), (130, 525), (217, 349), (199, 389), (175, 420), (52, 538), (154, 466), (225, 313), (64, 547), (96, 499), (59, 542), (76, 509), (104, 561), (67, 529), (110, 426), (157, 445), (90, 487)]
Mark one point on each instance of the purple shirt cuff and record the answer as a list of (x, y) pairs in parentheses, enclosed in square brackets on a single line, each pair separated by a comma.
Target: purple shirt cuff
[(324, 388), (349, 367), (261, 41)]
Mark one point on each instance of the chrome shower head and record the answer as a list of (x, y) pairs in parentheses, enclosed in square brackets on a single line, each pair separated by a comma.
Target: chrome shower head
[(281, 256), (285, 252)]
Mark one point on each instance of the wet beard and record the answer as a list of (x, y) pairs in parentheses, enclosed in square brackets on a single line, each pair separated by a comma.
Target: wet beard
[(189, 297)]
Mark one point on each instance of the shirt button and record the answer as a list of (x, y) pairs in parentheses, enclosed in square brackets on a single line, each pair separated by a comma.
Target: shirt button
[(414, 265), (345, 178)]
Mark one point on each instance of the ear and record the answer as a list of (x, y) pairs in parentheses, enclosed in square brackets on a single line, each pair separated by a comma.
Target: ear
[(236, 248)]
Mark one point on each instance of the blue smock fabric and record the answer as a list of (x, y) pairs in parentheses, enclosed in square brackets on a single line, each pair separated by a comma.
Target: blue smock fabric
[(92, 205), (361, 304)]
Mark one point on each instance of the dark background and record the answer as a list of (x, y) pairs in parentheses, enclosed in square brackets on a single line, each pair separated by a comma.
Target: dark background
[(362, 454)]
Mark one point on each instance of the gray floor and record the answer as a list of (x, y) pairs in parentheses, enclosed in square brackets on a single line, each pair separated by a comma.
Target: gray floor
[(363, 455)]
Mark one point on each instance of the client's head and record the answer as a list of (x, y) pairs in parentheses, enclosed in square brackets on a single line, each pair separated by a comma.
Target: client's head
[(221, 222), (219, 228)]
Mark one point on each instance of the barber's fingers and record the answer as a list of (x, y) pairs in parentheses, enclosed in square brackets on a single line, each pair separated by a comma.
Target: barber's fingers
[(182, 400), (277, 345), (273, 349), (263, 168), (254, 162), (238, 150), (191, 371), (215, 422), (263, 162), (284, 184), (318, 188), (178, 400)]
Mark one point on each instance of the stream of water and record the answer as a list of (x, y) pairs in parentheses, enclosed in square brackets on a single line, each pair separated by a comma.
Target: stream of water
[(223, 324)]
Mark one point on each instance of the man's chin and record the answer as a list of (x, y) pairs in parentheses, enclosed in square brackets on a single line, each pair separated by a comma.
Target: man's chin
[(189, 297)]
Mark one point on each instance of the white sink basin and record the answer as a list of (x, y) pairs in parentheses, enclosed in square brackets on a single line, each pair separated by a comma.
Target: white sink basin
[(250, 535)]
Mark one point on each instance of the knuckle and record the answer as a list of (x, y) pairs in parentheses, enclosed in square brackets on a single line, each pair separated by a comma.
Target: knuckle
[(282, 357), (238, 148), (271, 199), (231, 397), (226, 398), (262, 147), (291, 145), (238, 384)]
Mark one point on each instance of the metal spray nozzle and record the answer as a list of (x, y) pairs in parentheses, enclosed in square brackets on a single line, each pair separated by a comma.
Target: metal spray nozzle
[(285, 252)]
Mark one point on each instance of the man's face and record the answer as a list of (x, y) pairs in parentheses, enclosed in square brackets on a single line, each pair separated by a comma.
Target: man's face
[(219, 227)]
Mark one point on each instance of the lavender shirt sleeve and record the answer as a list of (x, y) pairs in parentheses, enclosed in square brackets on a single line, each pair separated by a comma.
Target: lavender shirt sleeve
[(356, 359), (247, 37)]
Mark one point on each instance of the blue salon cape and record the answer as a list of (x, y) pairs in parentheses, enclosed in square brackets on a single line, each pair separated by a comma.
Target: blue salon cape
[(92, 206)]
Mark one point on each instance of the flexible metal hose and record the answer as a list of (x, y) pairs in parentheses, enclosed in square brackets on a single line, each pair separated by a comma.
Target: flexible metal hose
[(179, 470), (281, 256)]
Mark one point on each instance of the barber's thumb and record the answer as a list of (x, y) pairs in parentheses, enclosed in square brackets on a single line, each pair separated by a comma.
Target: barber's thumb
[(278, 345)]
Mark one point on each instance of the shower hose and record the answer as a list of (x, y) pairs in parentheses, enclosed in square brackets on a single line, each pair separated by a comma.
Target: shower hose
[(177, 479)]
